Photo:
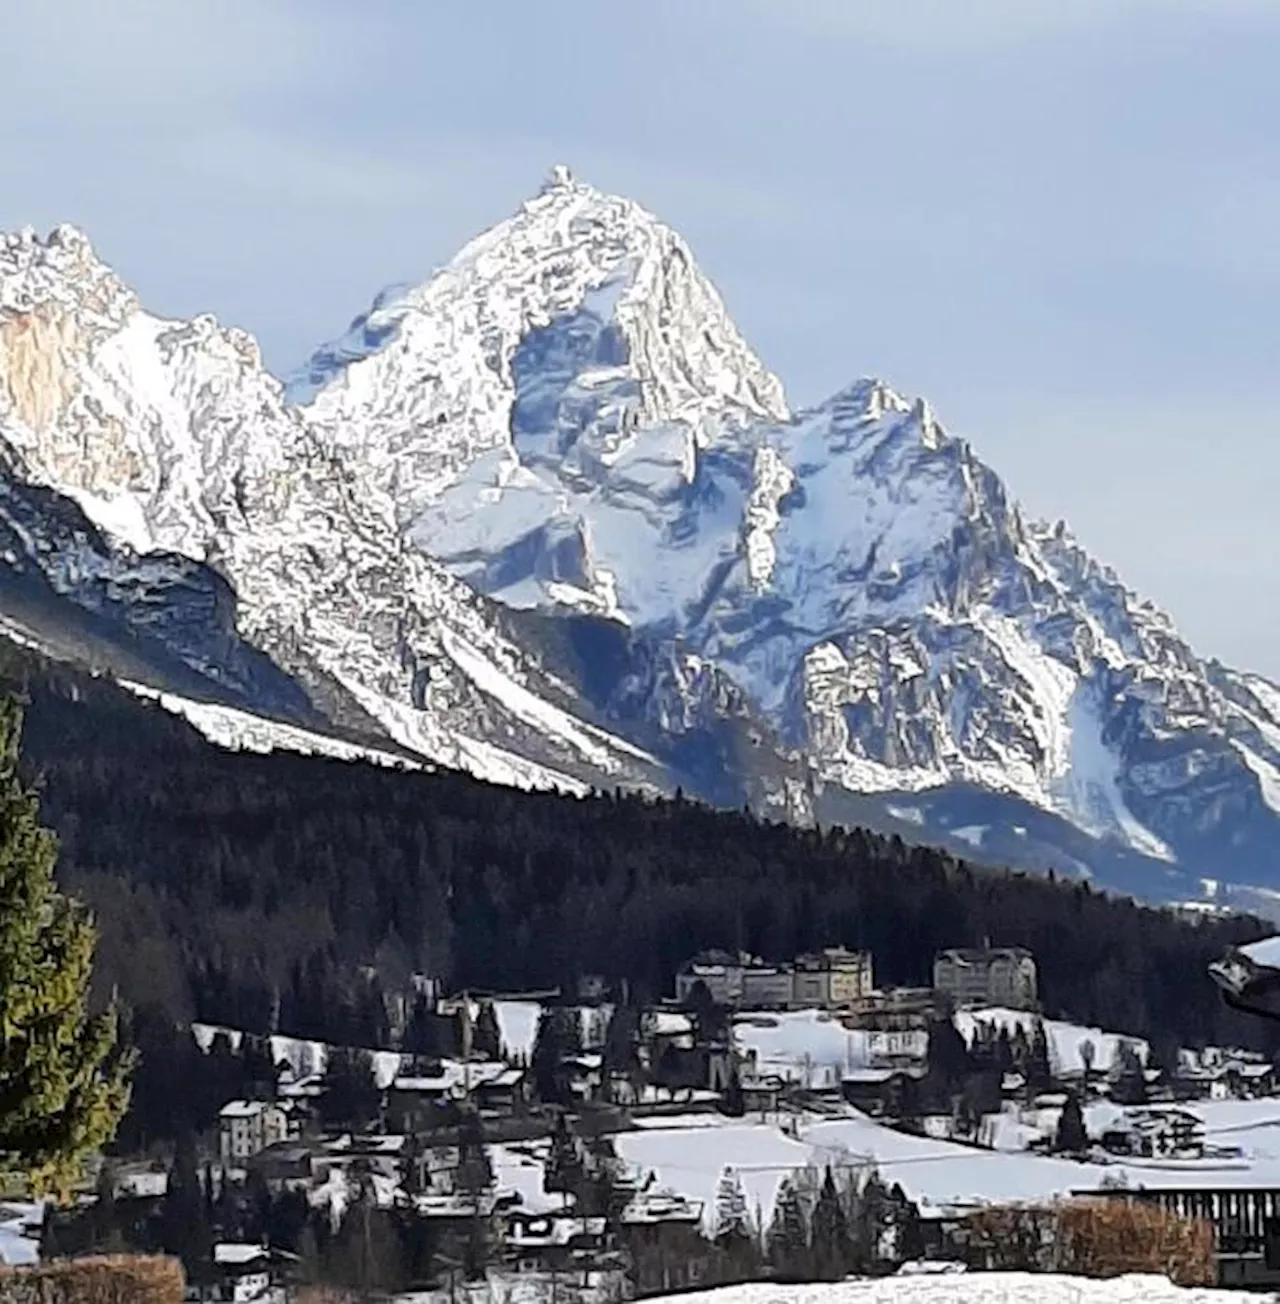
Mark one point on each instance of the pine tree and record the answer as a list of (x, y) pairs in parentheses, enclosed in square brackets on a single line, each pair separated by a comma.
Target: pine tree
[(351, 1095), (731, 1206), (788, 1240), (1038, 1071), (184, 1224), (830, 1233), (486, 1036), (1071, 1137), (63, 1082), (565, 1167)]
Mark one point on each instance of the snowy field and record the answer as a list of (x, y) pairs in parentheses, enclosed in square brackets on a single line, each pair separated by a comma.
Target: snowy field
[(811, 1046), (979, 1288), (688, 1153), (1065, 1039)]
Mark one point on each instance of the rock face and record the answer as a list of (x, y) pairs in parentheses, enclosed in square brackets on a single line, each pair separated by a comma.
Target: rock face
[(547, 517)]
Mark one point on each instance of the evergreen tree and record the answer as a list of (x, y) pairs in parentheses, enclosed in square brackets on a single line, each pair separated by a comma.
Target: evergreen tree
[(475, 1180), (1070, 1136), (558, 1035), (621, 1035), (366, 1255), (1037, 1068), (63, 1083), (830, 1246), (1128, 1079), (351, 1096), (788, 1240), (731, 1207), (565, 1168), (948, 1057), (184, 1224), (486, 1035)]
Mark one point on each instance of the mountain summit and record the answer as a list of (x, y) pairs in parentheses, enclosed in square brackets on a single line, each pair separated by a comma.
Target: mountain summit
[(549, 501)]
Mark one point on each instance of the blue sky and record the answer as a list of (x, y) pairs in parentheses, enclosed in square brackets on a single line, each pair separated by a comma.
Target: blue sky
[(1058, 219)]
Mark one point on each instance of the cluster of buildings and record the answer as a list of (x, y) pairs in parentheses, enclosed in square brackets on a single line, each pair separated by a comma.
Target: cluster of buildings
[(825, 980), (839, 979)]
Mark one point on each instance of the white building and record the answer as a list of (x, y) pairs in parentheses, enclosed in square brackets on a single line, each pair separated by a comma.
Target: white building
[(987, 976), (248, 1126)]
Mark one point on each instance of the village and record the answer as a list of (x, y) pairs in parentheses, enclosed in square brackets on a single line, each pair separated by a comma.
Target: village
[(584, 1146)]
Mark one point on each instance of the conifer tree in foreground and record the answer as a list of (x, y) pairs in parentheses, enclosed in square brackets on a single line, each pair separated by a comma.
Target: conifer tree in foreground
[(63, 1083)]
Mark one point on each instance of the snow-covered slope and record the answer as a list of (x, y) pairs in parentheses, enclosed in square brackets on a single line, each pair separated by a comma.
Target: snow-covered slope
[(177, 445), (548, 518), (567, 419)]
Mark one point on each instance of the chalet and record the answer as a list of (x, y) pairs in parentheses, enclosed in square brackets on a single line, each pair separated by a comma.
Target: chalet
[(761, 1092), (288, 1165), (1155, 1133), (880, 1092), (241, 1274), (424, 1098), (652, 1207), (506, 1092), (581, 1075), (558, 1241), (384, 1154)]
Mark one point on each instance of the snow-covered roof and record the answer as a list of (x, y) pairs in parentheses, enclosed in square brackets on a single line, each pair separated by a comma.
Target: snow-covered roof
[(530, 1230), (243, 1108), (454, 1074), (662, 1206), (670, 1023), (238, 1252)]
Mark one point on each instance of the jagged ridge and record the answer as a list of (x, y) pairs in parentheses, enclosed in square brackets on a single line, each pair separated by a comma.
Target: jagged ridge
[(838, 601)]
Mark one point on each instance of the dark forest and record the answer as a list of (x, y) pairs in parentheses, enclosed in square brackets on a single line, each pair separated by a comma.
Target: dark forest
[(272, 891)]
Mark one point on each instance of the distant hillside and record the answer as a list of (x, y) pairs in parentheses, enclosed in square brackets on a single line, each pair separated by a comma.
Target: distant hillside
[(228, 883)]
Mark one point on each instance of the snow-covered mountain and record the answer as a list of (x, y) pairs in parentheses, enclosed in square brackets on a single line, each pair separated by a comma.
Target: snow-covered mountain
[(547, 517)]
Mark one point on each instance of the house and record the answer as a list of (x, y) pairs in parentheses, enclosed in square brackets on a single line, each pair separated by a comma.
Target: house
[(650, 1208), (422, 1099), (831, 977), (761, 1092), (880, 1092), (768, 987), (987, 976), (898, 1009), (506, 1092), (558, 1241), (247, 1126), (1155, 1133), (241, 1274), (897, 1048), (718, 971), (288, 1165)]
